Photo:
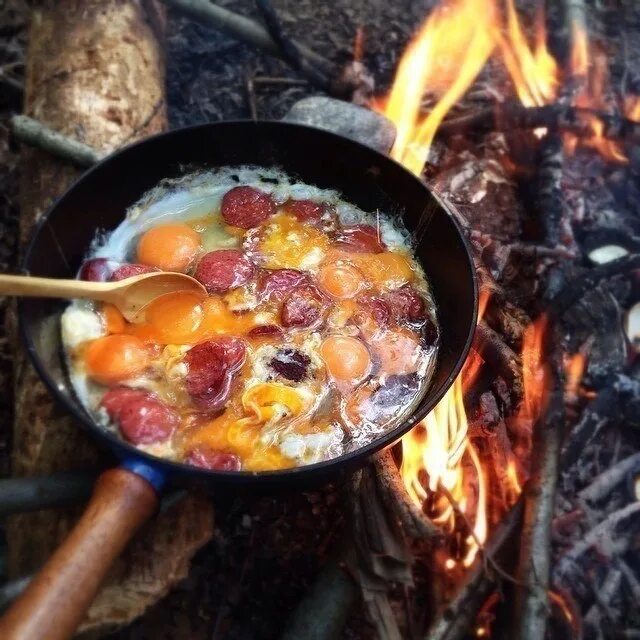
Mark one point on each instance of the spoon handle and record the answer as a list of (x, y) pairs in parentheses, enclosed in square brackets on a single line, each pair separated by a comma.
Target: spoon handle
[(30, 286)]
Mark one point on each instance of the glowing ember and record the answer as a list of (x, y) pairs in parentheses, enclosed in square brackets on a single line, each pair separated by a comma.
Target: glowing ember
[(592, 96), (535, 372), (632, 108), (512, 477), (574, 370)]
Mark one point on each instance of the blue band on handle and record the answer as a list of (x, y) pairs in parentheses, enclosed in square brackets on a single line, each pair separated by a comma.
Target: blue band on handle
[(154, 477)]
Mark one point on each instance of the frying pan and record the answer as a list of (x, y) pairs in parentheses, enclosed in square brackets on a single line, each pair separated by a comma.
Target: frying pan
[(55, 601)]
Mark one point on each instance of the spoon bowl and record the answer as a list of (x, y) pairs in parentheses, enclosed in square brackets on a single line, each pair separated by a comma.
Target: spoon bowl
[(130, 295)]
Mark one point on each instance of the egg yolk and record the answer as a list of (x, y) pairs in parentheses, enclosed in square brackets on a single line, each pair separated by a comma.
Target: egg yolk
[(113, 319), (170, 247), (176, 317), (114, 358), (389, 270), (347, 358), (341, 280), (289, 244)]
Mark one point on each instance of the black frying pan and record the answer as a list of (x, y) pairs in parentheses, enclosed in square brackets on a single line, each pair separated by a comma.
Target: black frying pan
[(125, 497)]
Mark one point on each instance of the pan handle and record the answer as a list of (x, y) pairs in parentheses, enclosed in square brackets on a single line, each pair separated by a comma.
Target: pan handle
[(56, 600)]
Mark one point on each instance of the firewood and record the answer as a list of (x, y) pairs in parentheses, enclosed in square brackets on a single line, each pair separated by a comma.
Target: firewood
[(456, 619), (498, 355), (398, 502), (603, 534), (531, 601), (94, 73)]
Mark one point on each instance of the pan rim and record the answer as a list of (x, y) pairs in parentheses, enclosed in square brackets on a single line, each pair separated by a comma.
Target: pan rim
[(177, 469)]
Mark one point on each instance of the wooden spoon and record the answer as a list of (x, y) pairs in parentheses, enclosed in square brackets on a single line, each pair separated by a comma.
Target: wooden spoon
[(130, 295)]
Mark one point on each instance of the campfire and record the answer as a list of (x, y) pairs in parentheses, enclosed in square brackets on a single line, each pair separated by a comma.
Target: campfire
[(513, 509)]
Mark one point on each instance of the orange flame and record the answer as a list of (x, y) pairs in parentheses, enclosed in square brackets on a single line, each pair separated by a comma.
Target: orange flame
[(437, 445), (533, 70), (444, 59), (512, 477), (535, 372), (592, 96), (632, 108), (574, 370)]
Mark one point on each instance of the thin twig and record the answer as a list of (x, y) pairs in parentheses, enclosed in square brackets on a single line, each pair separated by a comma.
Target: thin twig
[(606, 481), (289, 51), (247, 30), (36, 134), (604, 531)]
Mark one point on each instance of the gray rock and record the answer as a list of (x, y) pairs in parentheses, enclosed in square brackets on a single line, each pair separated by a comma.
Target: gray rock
[(348, 120)]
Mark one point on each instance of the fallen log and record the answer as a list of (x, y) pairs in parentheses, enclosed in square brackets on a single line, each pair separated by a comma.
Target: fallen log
[(94, 73)]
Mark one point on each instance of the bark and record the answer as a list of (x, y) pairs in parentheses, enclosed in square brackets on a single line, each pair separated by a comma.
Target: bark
[(94, 73)]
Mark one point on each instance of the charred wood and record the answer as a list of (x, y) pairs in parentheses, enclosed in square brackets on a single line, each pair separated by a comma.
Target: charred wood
[(509, 320), (602, 486), (551, 205), (531, 601), (504, 361), (592, 278), (398, 502)]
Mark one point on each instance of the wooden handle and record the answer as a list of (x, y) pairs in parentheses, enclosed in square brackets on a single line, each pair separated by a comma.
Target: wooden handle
[(54, 603), (30, 286)]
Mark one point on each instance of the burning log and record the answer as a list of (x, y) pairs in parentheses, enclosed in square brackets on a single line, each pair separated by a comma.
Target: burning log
[(556, 118), (455, 620), (398, 502), (111, 92), (531, 605)]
